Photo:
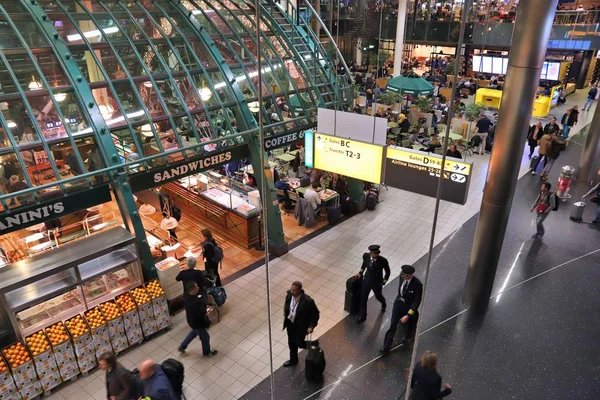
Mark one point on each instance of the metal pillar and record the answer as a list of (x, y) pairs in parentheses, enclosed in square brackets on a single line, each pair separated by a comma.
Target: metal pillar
[(399, 49), (527, 53), (588, 165)]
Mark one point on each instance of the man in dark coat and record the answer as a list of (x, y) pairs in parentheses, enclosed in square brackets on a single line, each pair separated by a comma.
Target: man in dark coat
[(374, 265), (119, 382), (191, 274), (301, 316), (406, 307), (195, 312)]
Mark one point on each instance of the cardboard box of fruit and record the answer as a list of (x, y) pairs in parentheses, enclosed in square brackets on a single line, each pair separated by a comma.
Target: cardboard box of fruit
[(23, 370), (83, 342), (161, 312), (43, 358), (99, 327), (133, 330), (116, 330), (8, 389), (63, 351)]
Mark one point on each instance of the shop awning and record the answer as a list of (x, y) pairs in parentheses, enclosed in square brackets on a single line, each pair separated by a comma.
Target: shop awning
[(410, 83)]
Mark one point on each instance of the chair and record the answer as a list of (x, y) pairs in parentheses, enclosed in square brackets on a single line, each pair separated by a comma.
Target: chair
[(405, 143), (439, 150), (441, 129)]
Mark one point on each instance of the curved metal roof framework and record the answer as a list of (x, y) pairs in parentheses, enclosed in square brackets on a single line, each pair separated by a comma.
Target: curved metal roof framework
[(152, 79)]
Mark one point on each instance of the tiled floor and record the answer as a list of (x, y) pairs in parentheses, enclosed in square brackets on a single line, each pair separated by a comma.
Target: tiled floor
[(401, 224)]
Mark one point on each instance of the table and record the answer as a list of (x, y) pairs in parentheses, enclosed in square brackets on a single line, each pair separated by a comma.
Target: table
[(418, 146), (392, 125), (249, 169), (456, 136), (287, 157)]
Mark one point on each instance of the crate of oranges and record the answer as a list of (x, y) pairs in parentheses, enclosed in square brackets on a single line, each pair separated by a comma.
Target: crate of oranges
[(159, 304), (83, 342), (23, 370), (8, 389), (98, 325), (63, 351), (116, 330), (44, 361), (145, 310), (131, 320)]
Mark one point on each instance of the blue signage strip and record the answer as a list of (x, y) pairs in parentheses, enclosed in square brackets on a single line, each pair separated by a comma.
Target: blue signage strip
[(309, 148)]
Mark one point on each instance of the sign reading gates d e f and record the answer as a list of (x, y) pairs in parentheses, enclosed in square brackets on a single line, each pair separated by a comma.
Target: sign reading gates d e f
[(168, 173), (419, 172), (22, 217)]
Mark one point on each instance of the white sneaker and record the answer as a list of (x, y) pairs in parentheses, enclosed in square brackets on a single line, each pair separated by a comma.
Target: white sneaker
[(532, 172)]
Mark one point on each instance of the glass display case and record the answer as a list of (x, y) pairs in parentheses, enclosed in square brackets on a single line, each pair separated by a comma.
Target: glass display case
[(228, 193), (57, 285)]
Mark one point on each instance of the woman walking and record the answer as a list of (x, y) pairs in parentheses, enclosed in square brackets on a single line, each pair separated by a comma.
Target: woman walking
[(426, 383), (535, 134), (209, 251)]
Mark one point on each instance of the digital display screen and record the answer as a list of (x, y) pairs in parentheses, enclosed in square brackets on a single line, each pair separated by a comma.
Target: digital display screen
[(486, 64), (477, 64), (497, 66), (50, 125)]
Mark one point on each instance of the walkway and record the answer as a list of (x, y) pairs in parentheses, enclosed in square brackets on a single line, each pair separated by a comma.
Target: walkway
[(402, 226)]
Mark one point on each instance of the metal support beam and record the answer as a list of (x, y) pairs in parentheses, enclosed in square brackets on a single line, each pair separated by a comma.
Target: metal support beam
[(527, 53), (590, 159), (400, 28)]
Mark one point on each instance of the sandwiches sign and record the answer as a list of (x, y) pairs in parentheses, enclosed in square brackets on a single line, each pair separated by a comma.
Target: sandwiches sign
[(158, 176)]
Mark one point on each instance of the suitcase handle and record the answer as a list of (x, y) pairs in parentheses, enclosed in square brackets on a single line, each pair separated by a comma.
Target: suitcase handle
[(309, 341)]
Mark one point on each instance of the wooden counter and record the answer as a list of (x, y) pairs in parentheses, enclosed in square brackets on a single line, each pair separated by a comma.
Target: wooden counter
[(236, 227)]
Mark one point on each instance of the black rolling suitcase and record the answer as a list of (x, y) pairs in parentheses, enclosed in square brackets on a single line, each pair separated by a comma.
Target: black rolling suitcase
[(352, 296), (334, 214), (315, 362), (372, 200)]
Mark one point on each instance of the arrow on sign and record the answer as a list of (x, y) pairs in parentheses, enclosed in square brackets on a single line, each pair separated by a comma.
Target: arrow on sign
[(458, 178), (456, 167)]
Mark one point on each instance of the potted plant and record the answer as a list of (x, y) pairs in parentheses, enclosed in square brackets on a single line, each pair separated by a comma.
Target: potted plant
[(388, 98), (424, 106), (472, 113)]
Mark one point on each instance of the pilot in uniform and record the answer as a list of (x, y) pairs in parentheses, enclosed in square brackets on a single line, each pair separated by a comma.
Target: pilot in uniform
[(372, 272), (405, 308)]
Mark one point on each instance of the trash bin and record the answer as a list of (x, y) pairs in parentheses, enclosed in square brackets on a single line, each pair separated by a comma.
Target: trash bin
[(577, 211), (564, 182)]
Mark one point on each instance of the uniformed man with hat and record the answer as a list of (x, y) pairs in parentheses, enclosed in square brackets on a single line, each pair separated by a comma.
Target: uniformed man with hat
[(372, 269), (406, 305)]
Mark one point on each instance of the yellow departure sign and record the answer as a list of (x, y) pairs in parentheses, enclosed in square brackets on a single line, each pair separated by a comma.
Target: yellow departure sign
[(348, 157)]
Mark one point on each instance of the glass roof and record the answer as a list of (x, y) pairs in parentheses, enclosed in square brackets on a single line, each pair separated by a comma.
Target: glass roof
[(159, 76)]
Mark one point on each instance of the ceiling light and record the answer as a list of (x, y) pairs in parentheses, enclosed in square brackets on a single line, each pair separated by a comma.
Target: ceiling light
[(60, 97), (91, 34), (106, 110), (205, 93), (34, 85), (147, 209), (169, 223), (146, 130), (11, 124)]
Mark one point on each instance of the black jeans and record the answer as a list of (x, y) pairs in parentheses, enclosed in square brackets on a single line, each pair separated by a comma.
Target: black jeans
[(400, 310), (368, 285), (295, 340)]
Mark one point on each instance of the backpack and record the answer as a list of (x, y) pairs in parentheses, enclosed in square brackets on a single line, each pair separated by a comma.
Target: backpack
[(218, 256), (176, 211), (556, 201), (174, 370)]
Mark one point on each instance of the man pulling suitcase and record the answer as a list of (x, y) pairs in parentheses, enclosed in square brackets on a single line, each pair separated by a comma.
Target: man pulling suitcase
[(301, 316)]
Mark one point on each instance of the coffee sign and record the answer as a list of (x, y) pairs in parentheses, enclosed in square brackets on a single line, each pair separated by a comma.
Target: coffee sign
[(283, 140)]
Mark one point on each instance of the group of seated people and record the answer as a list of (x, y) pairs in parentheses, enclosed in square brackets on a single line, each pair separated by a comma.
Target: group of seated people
[(318, 179)]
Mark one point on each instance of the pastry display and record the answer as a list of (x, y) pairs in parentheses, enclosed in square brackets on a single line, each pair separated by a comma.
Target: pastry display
[(95, 318), (37, 343), (77, 326), (16, 355), (125, 302), (57, 333), (155, 289), (95, 288), (140, 296), (110, 310)]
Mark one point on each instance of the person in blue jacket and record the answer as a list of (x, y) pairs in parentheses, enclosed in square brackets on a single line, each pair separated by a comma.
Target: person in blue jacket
[(155, 383)]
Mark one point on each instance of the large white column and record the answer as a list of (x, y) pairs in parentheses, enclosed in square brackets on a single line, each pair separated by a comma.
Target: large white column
[(400, 37)]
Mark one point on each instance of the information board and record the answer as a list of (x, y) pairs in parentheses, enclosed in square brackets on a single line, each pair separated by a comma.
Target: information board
[(419, 172), (348, 157)]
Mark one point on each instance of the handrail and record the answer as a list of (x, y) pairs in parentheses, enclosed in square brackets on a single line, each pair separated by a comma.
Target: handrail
[(324, 27)]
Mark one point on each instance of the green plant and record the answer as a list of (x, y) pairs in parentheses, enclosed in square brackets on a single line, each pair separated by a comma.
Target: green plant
[(389, 98), (423, 104), (383, 55), (355, 91), (473, 111), (449, 68)]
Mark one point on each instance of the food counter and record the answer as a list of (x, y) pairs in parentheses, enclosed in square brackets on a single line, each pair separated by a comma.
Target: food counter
[(226, 206), (55, 286)]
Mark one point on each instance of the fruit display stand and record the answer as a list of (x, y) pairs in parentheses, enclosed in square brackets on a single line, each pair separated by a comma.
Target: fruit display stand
[(167, 270), (133, 330), (83, 342), (63, 351), (44, 361), (116, 330), (8, 389), (60, 284), (97, 323), (145, 310), (159, 304), (23, 371)]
